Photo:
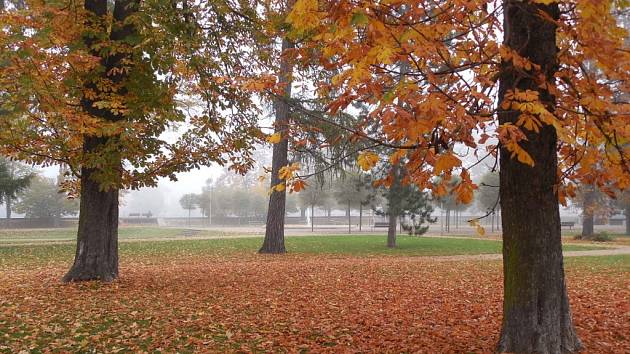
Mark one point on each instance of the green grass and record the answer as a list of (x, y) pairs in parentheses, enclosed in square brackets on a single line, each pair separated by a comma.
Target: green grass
[(70, 234), (617, 262), (38, 254)]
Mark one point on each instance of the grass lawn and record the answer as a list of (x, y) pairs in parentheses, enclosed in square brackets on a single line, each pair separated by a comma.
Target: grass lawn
[(69, 234), (40, 253)]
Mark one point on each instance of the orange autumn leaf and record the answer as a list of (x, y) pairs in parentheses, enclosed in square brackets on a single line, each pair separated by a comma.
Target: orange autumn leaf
[(446, 162), (367, 160)]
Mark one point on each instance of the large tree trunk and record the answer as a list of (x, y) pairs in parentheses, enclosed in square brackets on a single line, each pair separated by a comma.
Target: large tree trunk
[(274, 230), (536, 314), (96, 256), (588, 212)]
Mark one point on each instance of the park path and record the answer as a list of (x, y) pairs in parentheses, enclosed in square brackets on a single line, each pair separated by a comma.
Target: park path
[(611, 251), (196, 234)]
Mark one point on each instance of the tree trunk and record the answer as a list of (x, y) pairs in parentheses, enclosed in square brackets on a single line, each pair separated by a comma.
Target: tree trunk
[(329, 212), (391, 231), (588, 213), (448, 220), (456, 219), (349, 219), (312, 218), (274, 229), (96, 256), (8, 205), (360, 216), (536, 314), (302, 212)]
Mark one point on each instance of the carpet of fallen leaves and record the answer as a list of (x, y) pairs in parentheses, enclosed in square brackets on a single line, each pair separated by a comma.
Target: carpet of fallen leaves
[(289, 304)]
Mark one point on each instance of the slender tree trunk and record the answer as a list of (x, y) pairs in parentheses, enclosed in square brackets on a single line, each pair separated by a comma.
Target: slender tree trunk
[(360, 216), (394, 207), (312, 218), (448, 220), (274, 230), (391, 231), (302, 212), (456, 219), (588, 213), (8, 205), (536, 314), (349, 220), (96, 256)]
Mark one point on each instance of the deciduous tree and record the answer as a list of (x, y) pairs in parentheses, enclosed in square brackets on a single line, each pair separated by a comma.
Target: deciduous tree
[(96, 88), (43, 199), (14, 178), (492, 77)]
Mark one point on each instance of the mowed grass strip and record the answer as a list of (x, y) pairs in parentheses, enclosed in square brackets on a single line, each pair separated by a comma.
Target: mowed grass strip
[(70, 234), (125, 233), (36, 254)]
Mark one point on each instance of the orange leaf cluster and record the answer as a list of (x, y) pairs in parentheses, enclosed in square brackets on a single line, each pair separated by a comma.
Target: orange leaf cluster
[(429, 75)]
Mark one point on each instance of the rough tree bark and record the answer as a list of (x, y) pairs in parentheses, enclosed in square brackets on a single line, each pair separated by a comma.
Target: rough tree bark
[(274, 229), (96, 255), (97, 241), (536, 314)]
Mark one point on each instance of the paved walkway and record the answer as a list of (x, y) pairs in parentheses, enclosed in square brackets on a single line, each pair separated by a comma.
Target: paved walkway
[(197, 234), (612, 251)]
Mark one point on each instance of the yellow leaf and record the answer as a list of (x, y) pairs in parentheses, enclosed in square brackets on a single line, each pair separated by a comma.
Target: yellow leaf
[(480, 230), (367, 160), (274, 138)]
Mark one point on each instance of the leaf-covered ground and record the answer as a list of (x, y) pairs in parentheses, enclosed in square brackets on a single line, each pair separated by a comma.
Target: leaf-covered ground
[(295, 303)]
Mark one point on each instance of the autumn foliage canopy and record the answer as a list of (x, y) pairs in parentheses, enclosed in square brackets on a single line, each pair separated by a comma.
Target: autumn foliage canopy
[(428, 71)]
